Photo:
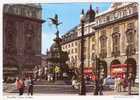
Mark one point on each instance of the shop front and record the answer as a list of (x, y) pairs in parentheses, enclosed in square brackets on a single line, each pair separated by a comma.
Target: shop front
[(119, 70), (89, 73)]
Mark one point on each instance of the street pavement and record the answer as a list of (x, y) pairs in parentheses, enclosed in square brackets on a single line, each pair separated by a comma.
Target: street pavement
[(106, 93), (44, 88)]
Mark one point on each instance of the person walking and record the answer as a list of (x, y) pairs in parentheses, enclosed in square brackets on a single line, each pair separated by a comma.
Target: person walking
[(125, 84), (101, 86), (119, 84), (97, 87), (20, 85), (129, 83), (116, 84), (30, 84)]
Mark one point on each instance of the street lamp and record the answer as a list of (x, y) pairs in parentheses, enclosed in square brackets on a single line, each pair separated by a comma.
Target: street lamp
[(127, 51), (82, 81), (97, 73), (129, 78)]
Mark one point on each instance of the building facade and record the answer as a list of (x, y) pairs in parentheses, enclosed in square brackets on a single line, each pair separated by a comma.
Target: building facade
[(113, 37), (22, 25), (117, 39)]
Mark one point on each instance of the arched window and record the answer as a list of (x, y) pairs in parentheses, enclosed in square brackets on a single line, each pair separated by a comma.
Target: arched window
[(103, 41), (130, 34), (116, 42)]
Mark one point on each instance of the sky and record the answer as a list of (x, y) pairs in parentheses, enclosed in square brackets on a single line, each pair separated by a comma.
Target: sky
[(68, 14)]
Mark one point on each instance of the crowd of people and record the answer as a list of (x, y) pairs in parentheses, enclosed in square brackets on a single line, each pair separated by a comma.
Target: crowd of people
[(118, 83), (121, 84)]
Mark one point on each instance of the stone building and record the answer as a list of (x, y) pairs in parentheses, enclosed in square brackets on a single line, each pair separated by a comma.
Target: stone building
[(22, 25), (71, 42), (117, 38), (112, 36)]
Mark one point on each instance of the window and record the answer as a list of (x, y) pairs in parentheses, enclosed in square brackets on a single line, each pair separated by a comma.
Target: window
[(135, 9), (116, 29), (130, 10), (130, 34), (121, 14), (104, 19), (75, 50), (93, 39), (131, 25), (71, 44), (103, 42), (97, 22), (112, 17), (116, 42), (124, 12), (75, 58), (33, 13), (93, 47), (108, 18), (75, 43), (116, 15), (68, 51), (66, 46), (63, 47), (71, 50), (72, 58), (127, 11)]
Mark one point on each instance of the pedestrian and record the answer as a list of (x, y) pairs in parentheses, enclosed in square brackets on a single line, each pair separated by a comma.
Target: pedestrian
[(125, 84), (119, 83), (101, 85), (30, 86), (48, 77), (20, 85), (115, 83), (129, 83), (73, 81), (96, 90)]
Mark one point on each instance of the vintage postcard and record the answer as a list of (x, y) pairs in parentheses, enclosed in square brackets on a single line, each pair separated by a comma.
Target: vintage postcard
[(70, 49)]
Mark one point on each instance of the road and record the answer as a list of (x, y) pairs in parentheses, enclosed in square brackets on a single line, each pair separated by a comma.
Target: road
[(61, 88)]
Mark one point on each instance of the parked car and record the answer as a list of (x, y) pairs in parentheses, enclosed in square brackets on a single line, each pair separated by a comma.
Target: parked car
[(109, 82)]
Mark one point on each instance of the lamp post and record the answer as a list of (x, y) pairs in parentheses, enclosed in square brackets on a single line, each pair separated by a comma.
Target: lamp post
[(97, 73), (128, 54), (129, 75), (82, 81)]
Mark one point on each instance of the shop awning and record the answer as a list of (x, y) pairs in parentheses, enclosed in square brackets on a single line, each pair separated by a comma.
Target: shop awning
[(87, 70), (119, 65)]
